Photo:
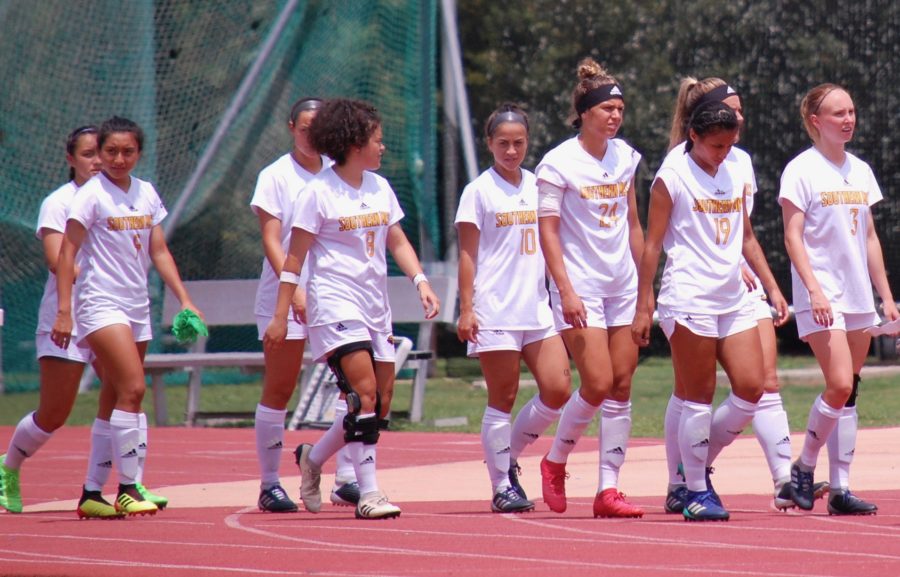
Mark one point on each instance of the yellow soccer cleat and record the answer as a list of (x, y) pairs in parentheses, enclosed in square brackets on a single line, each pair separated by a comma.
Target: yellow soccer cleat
[(131, 503)]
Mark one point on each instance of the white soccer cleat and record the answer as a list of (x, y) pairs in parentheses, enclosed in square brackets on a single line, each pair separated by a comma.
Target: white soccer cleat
[(375, 505), (311, 478)]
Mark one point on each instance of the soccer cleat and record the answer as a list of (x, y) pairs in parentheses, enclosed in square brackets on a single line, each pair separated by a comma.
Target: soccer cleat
[(10, 495), (345, 494), (783, 500), (802, 492), (846, 503), (275, 500), (510, 501), (703, 506), (158, 500), (131, 503), (375, 505), (675, 499), (92, 505), (611, 503), (553, 485), (310, 479), (514, 471)]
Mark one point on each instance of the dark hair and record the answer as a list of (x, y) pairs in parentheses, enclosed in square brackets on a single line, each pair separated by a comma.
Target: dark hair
[(709, 118), (511, 113), (119, 124), (72, 142), (690, 92), (304, 104), (342, 124)]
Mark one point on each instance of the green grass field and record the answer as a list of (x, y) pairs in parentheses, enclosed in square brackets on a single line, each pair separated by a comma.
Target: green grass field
[(450, 394)]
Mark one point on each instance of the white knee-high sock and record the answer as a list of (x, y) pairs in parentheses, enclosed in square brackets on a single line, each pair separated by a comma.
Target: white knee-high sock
[(345, 472), (100, 460), (822, 421), (729, 421), (333, 439), (364, 462), (125, 435), (615, 431), (142, 445), (770, 424), (576, 416), (269, 428), (693, 442), (530, 424), (670, 432), (841, 448), (495, 431), (25, 442)]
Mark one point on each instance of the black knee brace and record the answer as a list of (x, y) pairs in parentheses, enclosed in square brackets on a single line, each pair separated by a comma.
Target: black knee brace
[(357, 430), (851, 402), (334, 363)]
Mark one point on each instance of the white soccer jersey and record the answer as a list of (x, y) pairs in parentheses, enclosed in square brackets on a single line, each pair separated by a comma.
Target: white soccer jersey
[(116, 246), (510, 291), (277, 188), (704, 239), (593, 227), (835, 201), (52, 216), (347, 264)]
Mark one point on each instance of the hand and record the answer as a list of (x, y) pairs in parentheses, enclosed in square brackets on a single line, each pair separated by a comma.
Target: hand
[(275, 334), (467, 327), (61, 334), (890, 311), (298, 305), (779, 303), (748, 277), (574, 311), (430, 301), (640, 328), (821, 308)]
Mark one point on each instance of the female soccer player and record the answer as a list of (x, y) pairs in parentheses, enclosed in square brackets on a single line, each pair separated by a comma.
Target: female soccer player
[(60, 369), (592, 239), (344, 220), (503, 324), (770, 421), (277, 189), (826, 198), (697, 214), (115, 218)]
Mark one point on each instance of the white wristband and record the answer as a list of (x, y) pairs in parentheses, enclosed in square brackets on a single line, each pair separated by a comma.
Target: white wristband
[(419, 278), (288, 276)]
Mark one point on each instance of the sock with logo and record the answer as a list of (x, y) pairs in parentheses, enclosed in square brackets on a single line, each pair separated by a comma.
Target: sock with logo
[(693, 441), (269, 427), (364, 462), (142, 445), (770, 424), (100, 459), (822, 420), (615, 431), (729, 421), (576, 416), (25, 442), (842, 447), (495, 431), (123, 427), (530, 424), (670, 432)]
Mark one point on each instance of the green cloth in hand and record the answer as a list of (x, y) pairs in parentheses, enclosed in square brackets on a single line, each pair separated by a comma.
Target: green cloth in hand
[(187, 326)]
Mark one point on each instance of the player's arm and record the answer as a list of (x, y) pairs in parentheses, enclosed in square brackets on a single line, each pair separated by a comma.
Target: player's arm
[(65, 276), (657, 223), (794, 222), (405, 256), (875, 260), (469, 237), (168, 271), (755, 257)]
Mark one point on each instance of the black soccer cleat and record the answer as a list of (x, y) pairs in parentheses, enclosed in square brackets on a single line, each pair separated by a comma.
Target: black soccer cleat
[(846, 503)]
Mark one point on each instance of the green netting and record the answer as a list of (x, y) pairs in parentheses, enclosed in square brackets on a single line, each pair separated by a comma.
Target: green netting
[(174, 66)]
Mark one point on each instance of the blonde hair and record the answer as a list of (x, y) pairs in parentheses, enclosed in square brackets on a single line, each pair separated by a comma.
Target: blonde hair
[(590, 76), (811, 103), (689, 93)]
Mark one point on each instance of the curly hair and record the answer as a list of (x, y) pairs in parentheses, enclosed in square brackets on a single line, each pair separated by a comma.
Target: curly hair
[(341, 125)]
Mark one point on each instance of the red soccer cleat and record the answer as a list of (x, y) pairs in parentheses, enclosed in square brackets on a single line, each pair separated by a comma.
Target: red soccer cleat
[(611, 503), (553, 485)]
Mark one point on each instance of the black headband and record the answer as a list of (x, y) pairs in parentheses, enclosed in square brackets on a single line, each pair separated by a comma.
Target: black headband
[(304, 106), (508, 116), (600, 94), (717, 94)]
